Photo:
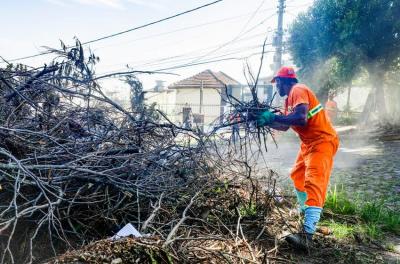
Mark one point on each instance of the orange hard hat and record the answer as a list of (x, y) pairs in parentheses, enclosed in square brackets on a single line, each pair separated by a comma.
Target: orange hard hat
[(285, 72)]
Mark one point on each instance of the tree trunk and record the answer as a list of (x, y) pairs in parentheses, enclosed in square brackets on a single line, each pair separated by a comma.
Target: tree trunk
[(393, 99), (367, 110), (375, 106), (348, 107), (380, 103)]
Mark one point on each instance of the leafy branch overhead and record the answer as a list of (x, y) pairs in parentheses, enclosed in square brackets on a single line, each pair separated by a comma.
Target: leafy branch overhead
[(345, 37)]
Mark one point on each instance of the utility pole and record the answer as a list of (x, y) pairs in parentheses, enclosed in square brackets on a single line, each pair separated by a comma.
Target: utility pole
[(201, 96), (278, 41)]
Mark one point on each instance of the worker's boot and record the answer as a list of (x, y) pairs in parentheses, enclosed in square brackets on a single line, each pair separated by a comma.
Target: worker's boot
[(300, 241), (303, 240)]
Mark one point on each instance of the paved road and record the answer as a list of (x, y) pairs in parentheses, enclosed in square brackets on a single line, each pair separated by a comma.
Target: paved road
[(367, 169)]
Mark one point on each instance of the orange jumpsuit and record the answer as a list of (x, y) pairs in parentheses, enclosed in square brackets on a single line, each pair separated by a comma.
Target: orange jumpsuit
[(319, 143)]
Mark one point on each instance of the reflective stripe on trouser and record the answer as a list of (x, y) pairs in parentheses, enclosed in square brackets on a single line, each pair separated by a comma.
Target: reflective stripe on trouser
[(312, 170)]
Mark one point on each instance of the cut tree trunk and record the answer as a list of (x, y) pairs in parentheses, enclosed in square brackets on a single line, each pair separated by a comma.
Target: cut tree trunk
[(366, 113), (348, 107), (375, 106)]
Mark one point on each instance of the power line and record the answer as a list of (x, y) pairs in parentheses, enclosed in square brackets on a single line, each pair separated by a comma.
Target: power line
[(187, 55), (241, 34), (151, 23), (236, 38), (210, 60), (182, 29), (236, 51), (126, 31), (187, 65), (251, 18), (213, 61), (199, 59)]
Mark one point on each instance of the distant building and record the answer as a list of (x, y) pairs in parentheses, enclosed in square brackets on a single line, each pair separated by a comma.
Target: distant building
[(159, 86), (267, 90), (205, 93), (163, 98)]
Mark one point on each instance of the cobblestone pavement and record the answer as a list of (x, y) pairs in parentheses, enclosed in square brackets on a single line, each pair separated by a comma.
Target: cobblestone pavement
[(367, 170)]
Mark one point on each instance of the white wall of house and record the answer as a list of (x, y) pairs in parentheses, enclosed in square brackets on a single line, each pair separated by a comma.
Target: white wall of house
[(237, 92), (191, 96), (165, 101)]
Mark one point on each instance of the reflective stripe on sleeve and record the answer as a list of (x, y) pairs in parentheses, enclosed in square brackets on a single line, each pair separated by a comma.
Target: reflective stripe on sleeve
[(314, 111)]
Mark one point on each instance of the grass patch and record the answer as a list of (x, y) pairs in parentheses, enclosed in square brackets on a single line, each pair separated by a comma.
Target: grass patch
[(376, 218), (340, 230), (376, 214), (248, 210), (370, 229), (390, 247), (339, 203)]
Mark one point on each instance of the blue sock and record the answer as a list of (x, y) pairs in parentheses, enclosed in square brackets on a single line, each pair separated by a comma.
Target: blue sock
[(311, 218)]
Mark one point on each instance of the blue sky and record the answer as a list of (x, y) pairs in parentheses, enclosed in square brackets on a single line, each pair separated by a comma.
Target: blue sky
[(229, 29)]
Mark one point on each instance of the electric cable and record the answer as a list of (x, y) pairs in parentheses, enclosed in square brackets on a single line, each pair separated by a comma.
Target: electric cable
[(126, 31)]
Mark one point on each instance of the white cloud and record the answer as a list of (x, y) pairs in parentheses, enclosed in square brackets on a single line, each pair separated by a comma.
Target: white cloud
[(145, 3), (110, 3), (57, 2), (116, 4)]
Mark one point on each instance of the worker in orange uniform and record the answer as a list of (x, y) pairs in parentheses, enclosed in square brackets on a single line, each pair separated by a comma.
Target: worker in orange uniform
[(319, 143), (331, 108)]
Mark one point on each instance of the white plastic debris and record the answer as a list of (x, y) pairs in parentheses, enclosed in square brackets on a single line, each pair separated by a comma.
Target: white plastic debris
[(116, 261), (127, 230)]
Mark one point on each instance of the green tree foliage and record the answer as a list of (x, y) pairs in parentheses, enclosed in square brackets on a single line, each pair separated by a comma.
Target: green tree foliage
[(336, 39)]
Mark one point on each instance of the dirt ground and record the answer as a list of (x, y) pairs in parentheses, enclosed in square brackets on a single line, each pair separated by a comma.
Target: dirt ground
[(265, 236)]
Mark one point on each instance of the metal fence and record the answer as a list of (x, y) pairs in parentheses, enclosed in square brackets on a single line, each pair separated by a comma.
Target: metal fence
[(213, 114), (175, 112)]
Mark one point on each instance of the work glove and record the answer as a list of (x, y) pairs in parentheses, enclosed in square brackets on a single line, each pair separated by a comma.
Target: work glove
[(265, 118)]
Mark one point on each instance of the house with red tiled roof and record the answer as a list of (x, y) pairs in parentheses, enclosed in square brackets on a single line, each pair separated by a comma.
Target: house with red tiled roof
[(205, 95)]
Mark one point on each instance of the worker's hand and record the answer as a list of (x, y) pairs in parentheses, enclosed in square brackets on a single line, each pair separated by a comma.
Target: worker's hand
[(265, 118)]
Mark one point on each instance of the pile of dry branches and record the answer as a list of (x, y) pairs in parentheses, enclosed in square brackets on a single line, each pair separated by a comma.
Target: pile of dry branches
[(76, 166), (244, 114)]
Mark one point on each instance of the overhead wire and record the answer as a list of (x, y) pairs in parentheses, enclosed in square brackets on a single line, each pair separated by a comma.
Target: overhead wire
[(235, 39), (233, 51), (241, 33), (126, 31), (152, 23), (199, 60), (167, 65), (189, 54), (210, 60), (214, 22), (252, 17), (238, 51), (187, 65), (238, 37)]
